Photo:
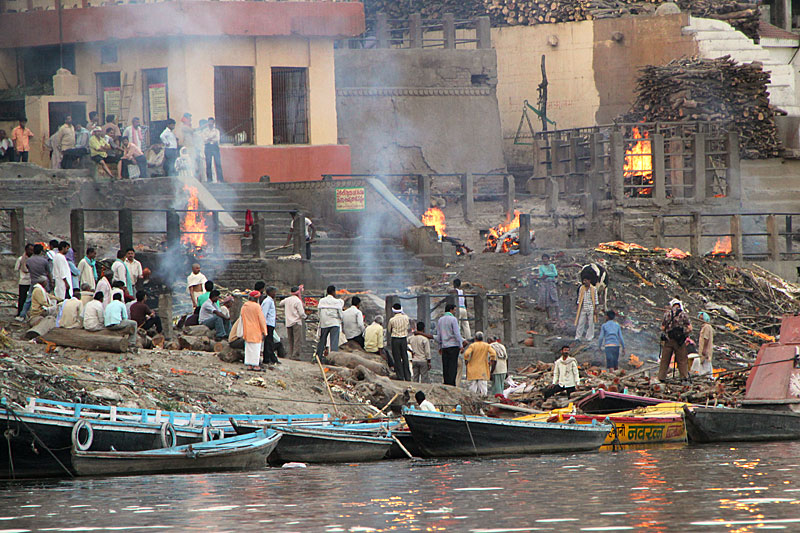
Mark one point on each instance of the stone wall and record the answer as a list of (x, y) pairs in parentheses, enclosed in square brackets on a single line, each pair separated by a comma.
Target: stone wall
[(422, 111)]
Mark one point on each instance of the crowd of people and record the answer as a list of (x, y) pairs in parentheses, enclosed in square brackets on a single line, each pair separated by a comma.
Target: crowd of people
[(177, 150), (83, 295)]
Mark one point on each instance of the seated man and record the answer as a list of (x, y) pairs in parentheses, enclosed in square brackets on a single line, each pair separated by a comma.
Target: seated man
[(145, 317), (71, 312), (212, 317), (93, 317), (98, 151), (116, 319)]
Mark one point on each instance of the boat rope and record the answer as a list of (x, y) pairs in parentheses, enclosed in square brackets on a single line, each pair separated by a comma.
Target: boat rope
[(9, 433), (41, 442), (470, 434)]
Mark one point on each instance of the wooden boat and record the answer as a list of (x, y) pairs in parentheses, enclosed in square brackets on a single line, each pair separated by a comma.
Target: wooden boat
[(407, 440), (603, 402), (452, 434), (724, 424), (644, 425), (242, 452), (313, 445)]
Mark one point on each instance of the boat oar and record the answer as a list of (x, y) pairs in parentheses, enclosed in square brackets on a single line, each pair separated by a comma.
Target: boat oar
[(276, 248), (380, 412), (325, 377), (405, 450)]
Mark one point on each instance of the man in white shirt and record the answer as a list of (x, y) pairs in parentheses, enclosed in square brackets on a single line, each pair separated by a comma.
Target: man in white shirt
[(268, 309), (134, 266), (71, 312), (212, 317), (24, 276), (424, 405), (310, 233), (170, 147), (211, 138), (88, 269), (294, 314), (93, 318), (134, 133), (195, 283), (330, 322), (61, 272), (353, 322)]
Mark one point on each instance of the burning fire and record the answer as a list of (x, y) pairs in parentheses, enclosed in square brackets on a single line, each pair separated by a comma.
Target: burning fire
[(722, 246), (498, 231), (638, 167), (435, 217), (193, 221)]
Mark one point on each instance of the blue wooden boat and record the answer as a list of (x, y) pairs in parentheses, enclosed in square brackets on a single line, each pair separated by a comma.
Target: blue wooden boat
[(242, 452), (454, 434)]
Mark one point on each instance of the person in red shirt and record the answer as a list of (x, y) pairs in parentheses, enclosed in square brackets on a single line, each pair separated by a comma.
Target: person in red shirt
[(145, 317), (21, 137)]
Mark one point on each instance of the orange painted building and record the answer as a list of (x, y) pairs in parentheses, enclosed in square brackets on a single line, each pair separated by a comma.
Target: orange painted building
[(264, 70)]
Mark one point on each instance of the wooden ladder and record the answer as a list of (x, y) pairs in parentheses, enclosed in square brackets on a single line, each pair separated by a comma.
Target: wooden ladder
[(126, 96)]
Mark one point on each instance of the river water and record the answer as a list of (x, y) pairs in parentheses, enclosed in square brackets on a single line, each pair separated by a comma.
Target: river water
[(746, 487)]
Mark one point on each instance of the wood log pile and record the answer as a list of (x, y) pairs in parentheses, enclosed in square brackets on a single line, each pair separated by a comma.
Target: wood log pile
[(696, 89), (741, 15)]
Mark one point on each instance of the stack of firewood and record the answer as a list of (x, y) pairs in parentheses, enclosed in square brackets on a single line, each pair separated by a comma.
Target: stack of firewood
[(711, 90), (741, 15)]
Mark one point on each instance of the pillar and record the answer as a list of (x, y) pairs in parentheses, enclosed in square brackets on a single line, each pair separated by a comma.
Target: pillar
[(695, 233), (595, 185), (618, 224), (77, 232), (480, 304), (382, 30), (658, 230), (165, 312), (387, 308), (509, 193), (468, 195), (17, 226), (483, 32), (415, 30), (659, 170), (424, 310), (617, 153), (700, 167), (733, 165), (449, 31), (259, 235), (736, 237), (424, 192), (524, 234), (125, 229), (173, 229), (788, 235), (551, 195), (509, 320), (299, 235), (772, 238)]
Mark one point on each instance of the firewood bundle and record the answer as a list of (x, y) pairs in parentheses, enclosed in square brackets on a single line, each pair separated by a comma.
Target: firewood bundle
[(741, 15), (711, 90)]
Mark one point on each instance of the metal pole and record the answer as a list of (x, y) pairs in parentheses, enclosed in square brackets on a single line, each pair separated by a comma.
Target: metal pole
[(77, 232), (125, 218)]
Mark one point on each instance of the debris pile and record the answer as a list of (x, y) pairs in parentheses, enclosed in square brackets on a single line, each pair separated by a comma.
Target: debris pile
[(741, 15), (711, 90)]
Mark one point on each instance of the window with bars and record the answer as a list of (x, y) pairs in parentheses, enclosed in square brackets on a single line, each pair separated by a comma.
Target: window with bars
[(289, 105)]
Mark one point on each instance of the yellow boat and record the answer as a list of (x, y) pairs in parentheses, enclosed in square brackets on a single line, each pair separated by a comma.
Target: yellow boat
[(654, 424)]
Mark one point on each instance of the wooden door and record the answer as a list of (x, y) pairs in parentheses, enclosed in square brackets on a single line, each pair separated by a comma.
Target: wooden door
[(233, 104)]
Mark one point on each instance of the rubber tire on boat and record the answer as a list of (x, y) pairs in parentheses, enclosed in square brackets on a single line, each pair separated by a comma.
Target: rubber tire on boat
[(166, 430), (76, 430)]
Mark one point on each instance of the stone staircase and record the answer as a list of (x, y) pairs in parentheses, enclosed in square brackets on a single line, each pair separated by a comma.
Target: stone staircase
[(352, 263), (716, 38)]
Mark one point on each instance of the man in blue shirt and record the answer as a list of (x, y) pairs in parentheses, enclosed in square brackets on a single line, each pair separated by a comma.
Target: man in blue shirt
[(268, 308), (115, 318), (448, 335), (611, 340)]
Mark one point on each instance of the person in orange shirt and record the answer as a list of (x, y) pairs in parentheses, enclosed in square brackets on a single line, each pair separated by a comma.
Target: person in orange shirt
[(254, 328), (21, 137)]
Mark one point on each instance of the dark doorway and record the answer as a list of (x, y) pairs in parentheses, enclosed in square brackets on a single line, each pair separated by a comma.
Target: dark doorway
[(289, 105), (156, 102), (56, 112), (108, 95), (233, 103), (40, 63)]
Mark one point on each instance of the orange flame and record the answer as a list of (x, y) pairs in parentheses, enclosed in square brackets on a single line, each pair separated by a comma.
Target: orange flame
[(498, 231), (722, 246), (638, 166), (435, 217), (193, 221)]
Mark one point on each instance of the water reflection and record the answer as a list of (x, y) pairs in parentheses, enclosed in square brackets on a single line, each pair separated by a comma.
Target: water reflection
[(710, 488)]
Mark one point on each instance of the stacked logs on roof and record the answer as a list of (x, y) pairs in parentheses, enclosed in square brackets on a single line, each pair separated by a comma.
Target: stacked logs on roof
[(719, 89), (741, 15)]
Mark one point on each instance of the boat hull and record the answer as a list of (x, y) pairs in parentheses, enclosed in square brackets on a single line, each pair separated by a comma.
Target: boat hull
[(308, 446), (248, 453), (31, 436), (450, 435), (710, 424)]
